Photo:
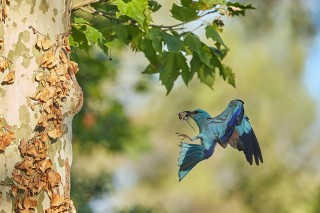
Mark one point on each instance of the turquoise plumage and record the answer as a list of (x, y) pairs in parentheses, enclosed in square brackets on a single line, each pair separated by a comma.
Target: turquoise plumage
[(230, 127)]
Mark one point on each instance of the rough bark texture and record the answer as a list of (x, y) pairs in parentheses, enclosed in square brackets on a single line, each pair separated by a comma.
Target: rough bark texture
[(39, 96)]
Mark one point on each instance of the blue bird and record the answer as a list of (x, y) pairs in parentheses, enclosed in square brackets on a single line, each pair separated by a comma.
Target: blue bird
[(230, 127)]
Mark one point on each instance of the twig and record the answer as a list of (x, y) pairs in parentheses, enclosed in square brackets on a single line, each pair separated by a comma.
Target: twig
[(201, 25), (207, 13)]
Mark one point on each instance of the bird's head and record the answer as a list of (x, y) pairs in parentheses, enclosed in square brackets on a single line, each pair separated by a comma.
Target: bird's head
[(197, 115)]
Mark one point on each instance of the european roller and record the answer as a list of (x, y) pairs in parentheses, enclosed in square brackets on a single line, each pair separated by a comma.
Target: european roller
[(231, 127)]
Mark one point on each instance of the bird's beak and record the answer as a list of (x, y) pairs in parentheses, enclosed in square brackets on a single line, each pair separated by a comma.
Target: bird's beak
[(187, 113)]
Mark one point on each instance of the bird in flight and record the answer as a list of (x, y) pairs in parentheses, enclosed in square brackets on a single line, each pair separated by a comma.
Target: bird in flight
[(231, 127)]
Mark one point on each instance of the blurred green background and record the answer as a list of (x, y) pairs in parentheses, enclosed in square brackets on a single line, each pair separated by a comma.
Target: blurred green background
[(126, 150)]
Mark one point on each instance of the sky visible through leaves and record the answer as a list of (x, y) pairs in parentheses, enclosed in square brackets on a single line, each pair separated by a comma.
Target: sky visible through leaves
[(312, 76)]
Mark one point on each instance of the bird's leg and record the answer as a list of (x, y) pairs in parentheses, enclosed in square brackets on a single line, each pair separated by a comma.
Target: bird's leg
[(184, 136)]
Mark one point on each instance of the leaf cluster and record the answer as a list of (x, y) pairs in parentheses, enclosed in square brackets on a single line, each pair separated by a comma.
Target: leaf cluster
[(172, 50)]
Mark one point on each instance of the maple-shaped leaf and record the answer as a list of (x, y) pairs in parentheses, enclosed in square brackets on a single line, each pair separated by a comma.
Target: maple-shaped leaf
[(136, 9)]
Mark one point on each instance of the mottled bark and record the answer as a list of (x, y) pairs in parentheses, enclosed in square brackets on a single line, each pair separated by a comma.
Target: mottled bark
[(39, 96)]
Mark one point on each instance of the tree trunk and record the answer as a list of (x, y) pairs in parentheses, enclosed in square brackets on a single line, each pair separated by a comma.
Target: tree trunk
[(39, 96)]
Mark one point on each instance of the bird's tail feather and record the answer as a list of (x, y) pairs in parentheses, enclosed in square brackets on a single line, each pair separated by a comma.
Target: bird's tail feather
[(190, 155)]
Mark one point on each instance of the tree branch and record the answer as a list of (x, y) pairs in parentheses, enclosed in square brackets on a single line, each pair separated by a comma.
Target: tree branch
[(82, 7), (83, 4), (93, 12)]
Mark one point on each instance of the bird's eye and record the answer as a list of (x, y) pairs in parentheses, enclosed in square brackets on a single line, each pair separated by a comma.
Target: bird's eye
[(196, 112)]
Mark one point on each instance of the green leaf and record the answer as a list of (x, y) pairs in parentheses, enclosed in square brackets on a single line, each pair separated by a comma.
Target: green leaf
[(206, 76), (106, 31), (121, 32), (126, 32), (78, 20), (205, 73), (136, 42), (184, 14), (193, 43), (173, 43), (154, 5), (82, 31), (195, 64), (211, 32), (149, 52), (185, 71), (171, 64), (93, 35), (216, 62), (229, 75), (104, 47), (78, 38), (186, 3), (151, 69), (169, 69), (156, 38), (135, 9)]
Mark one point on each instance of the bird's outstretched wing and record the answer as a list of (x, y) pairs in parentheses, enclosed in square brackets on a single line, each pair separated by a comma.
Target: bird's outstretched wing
[(244, 139), (233, 128), (190, 155), (225, 123)]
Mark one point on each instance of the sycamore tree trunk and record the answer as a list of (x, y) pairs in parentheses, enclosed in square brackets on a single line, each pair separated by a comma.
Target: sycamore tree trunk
[(39, 96)]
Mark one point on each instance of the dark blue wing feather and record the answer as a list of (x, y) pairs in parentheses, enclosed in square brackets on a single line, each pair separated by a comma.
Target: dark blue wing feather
[(248, 142)]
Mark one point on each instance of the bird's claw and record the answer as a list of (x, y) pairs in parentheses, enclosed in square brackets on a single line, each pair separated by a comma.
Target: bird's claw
[(184, 136)]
